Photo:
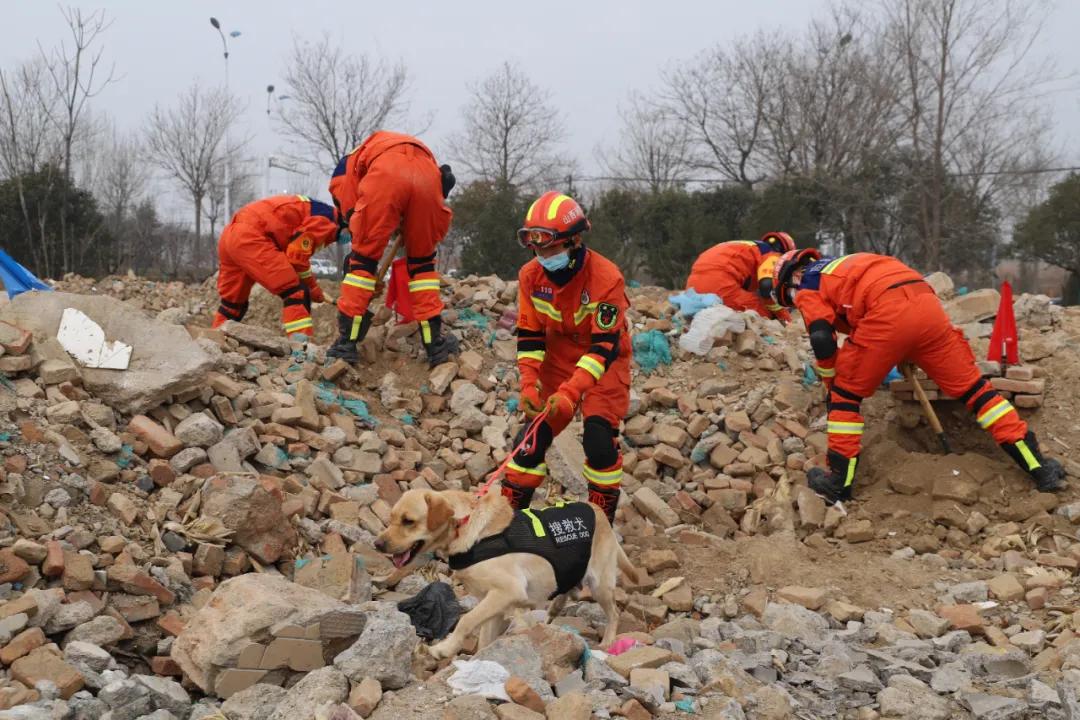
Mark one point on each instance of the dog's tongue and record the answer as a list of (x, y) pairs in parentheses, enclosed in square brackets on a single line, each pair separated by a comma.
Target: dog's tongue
[(401, 558)]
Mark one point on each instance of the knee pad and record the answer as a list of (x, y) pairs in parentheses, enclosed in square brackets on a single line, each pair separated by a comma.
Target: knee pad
[(598, 442), (841, 399), (355, 261), (297, 295), (533, 455)]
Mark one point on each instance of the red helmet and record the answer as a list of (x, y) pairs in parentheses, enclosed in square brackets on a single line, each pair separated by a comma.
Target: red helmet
[(789, 262), (780, 240), (553, 217)]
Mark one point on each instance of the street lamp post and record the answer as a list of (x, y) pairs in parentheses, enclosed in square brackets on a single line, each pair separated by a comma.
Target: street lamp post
[(228, 159)]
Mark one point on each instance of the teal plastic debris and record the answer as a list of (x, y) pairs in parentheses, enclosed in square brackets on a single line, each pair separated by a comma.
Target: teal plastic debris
[(962, 290), (690, 301), (330, 394), (512, 405), (469, 316), (769, 339), (301, 562), (126, 451), (686, 705), (894, 374), (4, 437), (809, 376), (408, 419), (633, 284), (491, 339), (651, 349)]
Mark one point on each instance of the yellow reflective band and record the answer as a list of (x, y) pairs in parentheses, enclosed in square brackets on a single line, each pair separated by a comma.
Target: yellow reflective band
[(545, 308), (834, 264), (825, 372), (300, 324), (836, 427), (1029, 457), (611, 477), (425, 332), (774, 307), (354, 331), (538, 527), (305, 274), (741, 242), (553, 208), (540, 470), (421, 285), (850, 471), (305, 198), (585, 311), (528, 215), (364, 283), (537, 355), (994, 413), (591, 366)]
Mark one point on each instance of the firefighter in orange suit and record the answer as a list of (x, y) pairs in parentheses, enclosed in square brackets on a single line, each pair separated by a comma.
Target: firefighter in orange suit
[(740, 273), (891, 315), (270, 242), (392, 180), (573, 350)]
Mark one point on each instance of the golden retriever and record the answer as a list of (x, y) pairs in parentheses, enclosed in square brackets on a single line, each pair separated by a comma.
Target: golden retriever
[(452, 521)]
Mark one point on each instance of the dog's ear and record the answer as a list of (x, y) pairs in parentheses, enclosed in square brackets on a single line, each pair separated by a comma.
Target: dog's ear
[(439, 511)]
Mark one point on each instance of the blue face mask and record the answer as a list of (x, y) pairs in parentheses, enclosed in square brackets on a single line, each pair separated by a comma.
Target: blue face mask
[(344, 237), (555, 262)]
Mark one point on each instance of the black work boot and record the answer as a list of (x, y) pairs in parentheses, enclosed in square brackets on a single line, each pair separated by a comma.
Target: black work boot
[(835, 485), (1047, 473), (518, 495), (350, 333), (439, 347), (605, 497)]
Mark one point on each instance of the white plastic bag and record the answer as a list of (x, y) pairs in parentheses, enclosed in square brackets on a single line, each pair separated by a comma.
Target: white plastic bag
[(709, 324), (480, 677)]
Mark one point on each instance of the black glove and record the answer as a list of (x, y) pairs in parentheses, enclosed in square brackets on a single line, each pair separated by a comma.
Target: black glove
[(448, 180)]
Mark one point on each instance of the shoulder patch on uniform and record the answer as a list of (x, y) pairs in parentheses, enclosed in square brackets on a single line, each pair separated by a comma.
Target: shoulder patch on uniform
[(606, 316)]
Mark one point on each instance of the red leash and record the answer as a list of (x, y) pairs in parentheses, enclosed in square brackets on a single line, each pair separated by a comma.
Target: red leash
[(526, 440)]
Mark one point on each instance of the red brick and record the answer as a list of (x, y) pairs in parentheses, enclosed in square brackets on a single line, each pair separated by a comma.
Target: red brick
[(44, 665), (21, 645), (160, 441), (161, 472), (1025, 387), (15, 463), (31, 432), (962, 617), (14, 339), (12, 567), (136, 582), (1020, 372), (171, 623), (1028, 401), (99, 493), (165, 665)]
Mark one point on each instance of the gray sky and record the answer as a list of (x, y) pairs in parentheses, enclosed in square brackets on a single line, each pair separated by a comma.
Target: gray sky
[(588, 53)]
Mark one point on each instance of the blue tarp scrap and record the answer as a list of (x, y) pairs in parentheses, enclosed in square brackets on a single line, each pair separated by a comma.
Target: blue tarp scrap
[(690, 301), (809, 376), (16, 278), (512, 405), (468, 316), (651, 349)]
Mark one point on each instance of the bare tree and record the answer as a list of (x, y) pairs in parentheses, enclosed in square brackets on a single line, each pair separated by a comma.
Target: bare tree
[(336, 100), (970, 95), (653, 149), (28, 145), (76, 75), (187, 142), (117, 175), (511, 131), (721, 98), (241, 183)]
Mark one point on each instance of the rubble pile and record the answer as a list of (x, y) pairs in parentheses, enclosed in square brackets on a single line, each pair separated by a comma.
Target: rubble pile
[(192, 537)]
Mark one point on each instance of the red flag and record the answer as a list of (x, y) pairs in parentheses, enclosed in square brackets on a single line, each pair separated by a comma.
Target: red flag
[(397, 292), (1003, 342)]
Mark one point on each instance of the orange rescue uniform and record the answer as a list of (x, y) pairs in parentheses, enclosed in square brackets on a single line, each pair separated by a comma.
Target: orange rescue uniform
[(270, 242), (390, 180), (575, 339), (891, 316), (740, 273)]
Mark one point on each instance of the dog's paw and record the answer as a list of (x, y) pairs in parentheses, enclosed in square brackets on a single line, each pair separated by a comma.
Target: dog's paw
[(442, 650)]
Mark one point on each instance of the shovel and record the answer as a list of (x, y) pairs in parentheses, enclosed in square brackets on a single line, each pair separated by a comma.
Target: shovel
[(927, 408)]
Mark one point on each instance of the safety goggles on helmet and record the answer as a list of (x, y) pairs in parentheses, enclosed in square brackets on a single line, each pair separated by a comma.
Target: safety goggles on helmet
[(784, 272), (532, 238)]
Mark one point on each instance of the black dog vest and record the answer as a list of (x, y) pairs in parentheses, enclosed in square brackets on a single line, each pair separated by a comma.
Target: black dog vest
[(561, 534)]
